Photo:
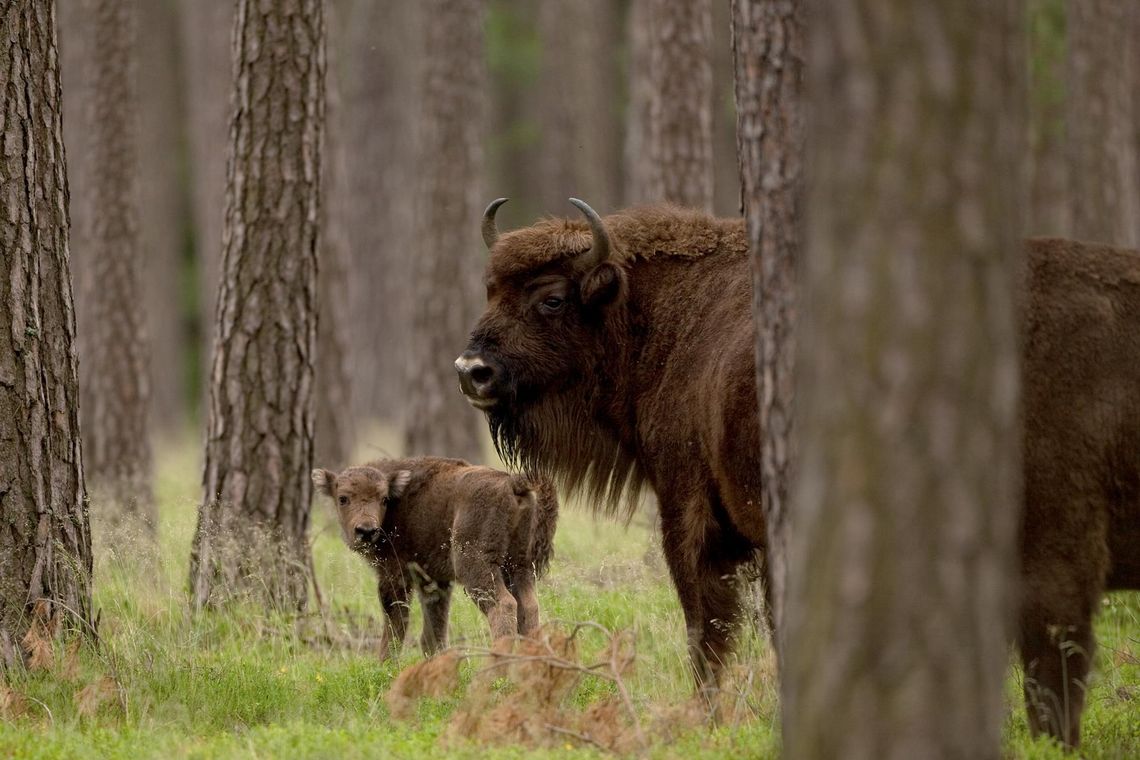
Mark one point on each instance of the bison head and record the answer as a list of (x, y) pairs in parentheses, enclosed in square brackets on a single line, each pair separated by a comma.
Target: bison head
[(362, 496), (550, 290)]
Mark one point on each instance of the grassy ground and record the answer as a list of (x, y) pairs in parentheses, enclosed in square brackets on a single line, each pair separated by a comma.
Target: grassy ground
[(248, 684)]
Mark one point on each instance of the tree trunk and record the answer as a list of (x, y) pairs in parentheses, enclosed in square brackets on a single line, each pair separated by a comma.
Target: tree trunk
[(115, 363), (252, 528), (907, 496), (636, 154), (768, 46), (381, 72), (45, 546), (579, 152), (334, 428), (1103, 168), (163, 211), (1050, 212), (726, 166), (206, 27), (680, 112), (449, 203)]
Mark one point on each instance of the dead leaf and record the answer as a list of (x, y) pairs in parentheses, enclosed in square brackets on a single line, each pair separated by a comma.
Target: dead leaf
[(95, 695)]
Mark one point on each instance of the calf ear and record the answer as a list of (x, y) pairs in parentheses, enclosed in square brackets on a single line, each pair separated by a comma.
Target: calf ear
[(398, 482), (603, 285), (324, 481)]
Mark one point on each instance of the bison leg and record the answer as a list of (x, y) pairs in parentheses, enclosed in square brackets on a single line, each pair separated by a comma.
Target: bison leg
[(523, 589), (435, 599), (394, 601), (1056, 657), (484, 582)]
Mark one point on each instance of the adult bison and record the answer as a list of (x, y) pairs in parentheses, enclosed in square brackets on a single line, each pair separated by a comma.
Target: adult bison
[(619, 353)]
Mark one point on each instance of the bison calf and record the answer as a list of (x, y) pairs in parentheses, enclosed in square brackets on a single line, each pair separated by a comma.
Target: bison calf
[(425, 523)]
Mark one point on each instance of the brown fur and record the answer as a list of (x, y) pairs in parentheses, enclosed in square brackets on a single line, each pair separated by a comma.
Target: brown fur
[(426, 522), (646, 374)]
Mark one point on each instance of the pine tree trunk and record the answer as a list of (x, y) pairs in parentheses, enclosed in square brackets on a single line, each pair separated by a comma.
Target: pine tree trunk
[(45, 546), (252, 528), (908, 473), (579, 152), (449, 203), (163, 211), (636, 154), (381, 73), (206, 28), (768, 46), (115, 363), (1104, 173), (334, 428), (680, 111)]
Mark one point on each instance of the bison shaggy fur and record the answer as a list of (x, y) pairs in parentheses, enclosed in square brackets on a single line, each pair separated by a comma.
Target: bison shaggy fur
[(426, 523)]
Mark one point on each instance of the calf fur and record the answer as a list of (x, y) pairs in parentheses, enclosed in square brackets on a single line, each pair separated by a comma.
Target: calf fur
[(427, 522)]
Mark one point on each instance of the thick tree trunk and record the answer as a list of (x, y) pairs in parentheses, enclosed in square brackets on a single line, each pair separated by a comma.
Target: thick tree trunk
[(768, 46), (115, 363), (901, 550), (335, 432), (579, 134), (381, 64), (163, 211), (1050, 212), (206, 28), (1104, 173), (726, 166), (45, 545), (680, 112), (636, 154), (253, 524), (449, 203)]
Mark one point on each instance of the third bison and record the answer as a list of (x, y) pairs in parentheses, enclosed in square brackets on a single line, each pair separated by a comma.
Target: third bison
[(619, 352)]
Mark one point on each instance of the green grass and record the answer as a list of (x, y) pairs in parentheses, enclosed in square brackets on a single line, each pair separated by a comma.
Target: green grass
[(244, 683)]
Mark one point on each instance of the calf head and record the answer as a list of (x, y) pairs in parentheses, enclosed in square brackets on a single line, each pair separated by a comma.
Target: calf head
[(549, 290), (362, 496)]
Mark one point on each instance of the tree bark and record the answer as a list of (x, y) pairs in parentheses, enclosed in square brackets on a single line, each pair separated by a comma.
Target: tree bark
[(908, 476), (636, 154), (726, 165), (45, 546), (449, 203), (252, 527), (768, 47), (335, 432), (163, 212), (580, 142), (381, 73), (206, 28), (1050, 212), (1103, 167), (117, 444), (680, 112)]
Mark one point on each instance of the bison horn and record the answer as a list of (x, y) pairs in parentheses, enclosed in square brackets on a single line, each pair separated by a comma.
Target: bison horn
[(490, 232), (600, 251)]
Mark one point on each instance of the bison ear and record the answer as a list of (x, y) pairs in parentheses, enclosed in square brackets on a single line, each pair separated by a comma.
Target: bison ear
[(603, 285), (398, 483), (324, 481)]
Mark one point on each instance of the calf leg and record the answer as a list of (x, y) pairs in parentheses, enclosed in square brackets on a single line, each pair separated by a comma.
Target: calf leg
[(435, 599), (484, 582), (523, 589), (394, 601)]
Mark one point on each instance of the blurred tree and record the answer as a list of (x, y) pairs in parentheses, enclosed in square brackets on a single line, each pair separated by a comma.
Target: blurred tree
[(117, 444), (163, 210), (45, 547), (680, 109), (206, 27), (1050, 212), (379, 70), (253, 524), (333, 390), (449, 206), (768, 43), (907, 490), (638, 161), (1103, 165), (726, 167), (580, 133)]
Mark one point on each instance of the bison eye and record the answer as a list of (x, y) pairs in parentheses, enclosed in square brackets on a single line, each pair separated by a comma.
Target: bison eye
[(343, 500), (552, 303)]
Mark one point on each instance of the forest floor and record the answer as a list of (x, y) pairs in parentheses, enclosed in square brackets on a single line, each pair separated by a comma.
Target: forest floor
[(245, 683)]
